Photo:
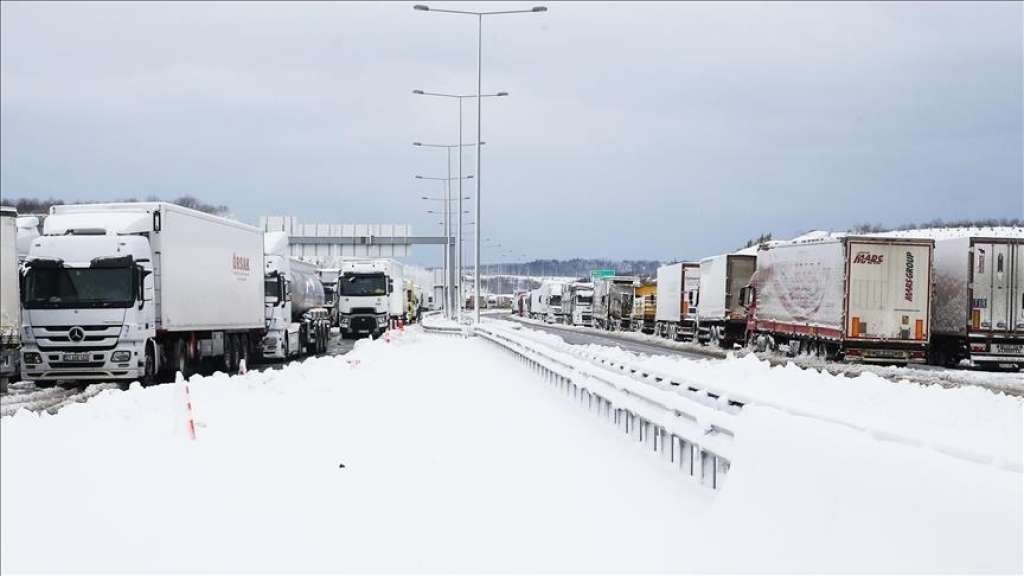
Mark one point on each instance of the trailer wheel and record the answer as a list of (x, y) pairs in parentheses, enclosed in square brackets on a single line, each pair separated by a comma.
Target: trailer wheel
[(243, 351), (181, 359), (229, 350)]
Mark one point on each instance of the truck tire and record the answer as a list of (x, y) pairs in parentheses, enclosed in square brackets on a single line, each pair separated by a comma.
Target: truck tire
[(182, 362), (149, 367), (312, 342), (243, 351), (229, 350)]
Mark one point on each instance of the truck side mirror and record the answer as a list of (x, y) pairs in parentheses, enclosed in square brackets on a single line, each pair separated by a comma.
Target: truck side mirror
[(142, 273), (391, 285)]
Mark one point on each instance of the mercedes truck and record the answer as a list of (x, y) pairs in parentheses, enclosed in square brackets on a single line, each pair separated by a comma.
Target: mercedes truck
[(139, 290)]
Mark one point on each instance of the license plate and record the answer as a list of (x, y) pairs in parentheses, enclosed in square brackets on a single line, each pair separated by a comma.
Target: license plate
[(76, 356), (1010, 348)]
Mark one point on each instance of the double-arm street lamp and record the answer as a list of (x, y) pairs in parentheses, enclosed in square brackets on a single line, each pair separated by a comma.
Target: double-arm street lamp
[(449, 148), (479, 116), (446, 259), (460, 98)]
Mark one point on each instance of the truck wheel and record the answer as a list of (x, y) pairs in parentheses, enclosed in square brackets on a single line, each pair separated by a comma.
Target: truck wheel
[(243, 351), (229, 350), (149, 368), (313, 344), (181, 360)]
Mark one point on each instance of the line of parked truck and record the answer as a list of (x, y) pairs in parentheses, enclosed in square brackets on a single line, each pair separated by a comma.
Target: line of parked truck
[(841, 297), (140, 291)]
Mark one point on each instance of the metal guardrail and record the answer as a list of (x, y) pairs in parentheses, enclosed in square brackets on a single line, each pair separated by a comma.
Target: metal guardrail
[(429, 324), (692, 430), (727, 402)]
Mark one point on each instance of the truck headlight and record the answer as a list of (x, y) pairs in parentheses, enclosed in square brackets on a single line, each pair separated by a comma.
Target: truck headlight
[(121, 356), (32, 358)]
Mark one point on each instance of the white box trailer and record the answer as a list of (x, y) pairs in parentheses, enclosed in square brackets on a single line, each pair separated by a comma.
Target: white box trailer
[(979, 301), (721, 317), (10, 304), (676, 302), (849, 297), (538, 305), (129, 290)]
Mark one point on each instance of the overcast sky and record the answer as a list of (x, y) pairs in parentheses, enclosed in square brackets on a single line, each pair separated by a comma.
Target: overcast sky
[(633, 130)]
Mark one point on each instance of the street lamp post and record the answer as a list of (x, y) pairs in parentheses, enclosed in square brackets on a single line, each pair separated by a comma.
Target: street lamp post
[(479, 117), (460, 97), (447, 264), (448, 147)]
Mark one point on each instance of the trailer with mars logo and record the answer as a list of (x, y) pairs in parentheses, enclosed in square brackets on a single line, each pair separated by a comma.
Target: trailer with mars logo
[(843, 297)]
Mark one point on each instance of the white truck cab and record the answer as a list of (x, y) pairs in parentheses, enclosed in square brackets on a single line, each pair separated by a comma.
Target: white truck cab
[(87, 307), (364, 297)]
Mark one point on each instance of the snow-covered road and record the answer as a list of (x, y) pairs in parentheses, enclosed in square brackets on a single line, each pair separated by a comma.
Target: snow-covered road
[(434, 453)]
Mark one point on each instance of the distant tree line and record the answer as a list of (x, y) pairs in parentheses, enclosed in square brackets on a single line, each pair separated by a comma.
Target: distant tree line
[(40, 206), (938, 223)]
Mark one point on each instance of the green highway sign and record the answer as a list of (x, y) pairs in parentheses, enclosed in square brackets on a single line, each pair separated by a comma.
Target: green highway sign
[(605, 273)]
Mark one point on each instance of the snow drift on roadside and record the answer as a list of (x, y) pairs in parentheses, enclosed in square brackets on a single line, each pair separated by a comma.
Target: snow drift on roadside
[(968, 422), (457, 458)]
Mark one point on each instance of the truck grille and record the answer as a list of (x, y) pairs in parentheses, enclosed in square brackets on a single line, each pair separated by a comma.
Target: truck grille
[(57, 338), (369, 311), (76, 364), (363, 323)]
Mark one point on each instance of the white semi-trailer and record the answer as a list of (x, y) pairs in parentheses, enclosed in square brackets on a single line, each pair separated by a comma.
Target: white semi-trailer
[(538, 305), (298, 321), (853, 298), (721, 317), (10, 306), (676, 303), (134, 290), (979, 301), (370, 295)]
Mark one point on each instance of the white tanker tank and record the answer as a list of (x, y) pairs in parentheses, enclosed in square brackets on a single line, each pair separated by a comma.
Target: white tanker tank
[(307, 290), (297, 318)]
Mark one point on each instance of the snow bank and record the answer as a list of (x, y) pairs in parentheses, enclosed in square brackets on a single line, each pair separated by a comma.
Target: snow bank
[(966, 422), (456, 458), (812, 498), (433, 453)]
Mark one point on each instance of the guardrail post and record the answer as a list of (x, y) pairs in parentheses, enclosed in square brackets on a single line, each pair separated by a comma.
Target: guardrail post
[(707, 468)]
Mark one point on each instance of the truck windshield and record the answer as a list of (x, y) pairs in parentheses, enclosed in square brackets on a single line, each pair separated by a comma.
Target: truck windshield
[(61, 287), (329, 294), (363, 285), (586, 300), (555, 301)]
